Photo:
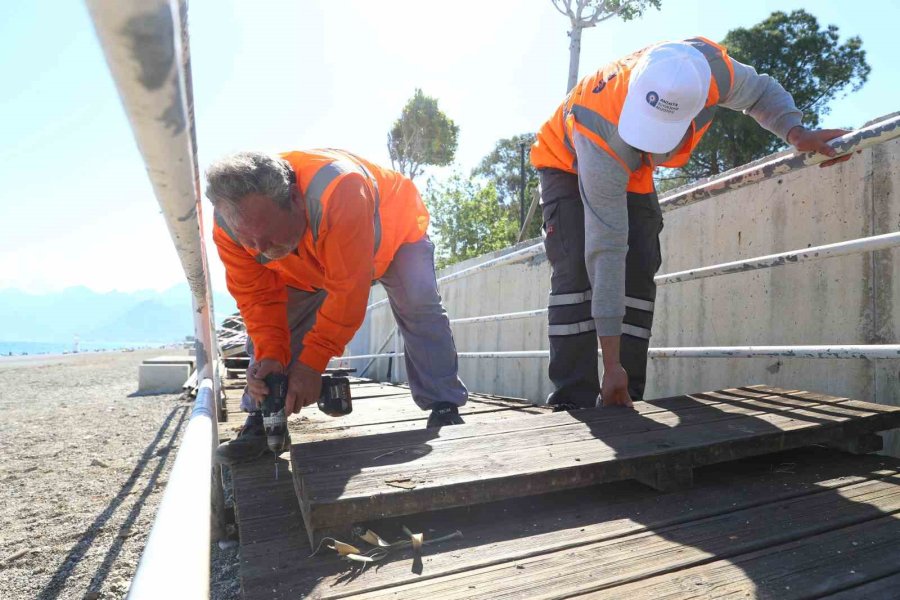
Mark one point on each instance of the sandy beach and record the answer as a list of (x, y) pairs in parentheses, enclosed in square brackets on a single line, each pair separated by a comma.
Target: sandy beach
[(83, 464)]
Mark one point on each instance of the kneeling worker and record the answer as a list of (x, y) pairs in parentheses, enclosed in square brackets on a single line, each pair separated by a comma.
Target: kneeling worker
[(302, 236)]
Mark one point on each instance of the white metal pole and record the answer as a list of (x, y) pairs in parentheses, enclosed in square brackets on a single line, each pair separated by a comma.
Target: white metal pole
[(861, 351), (515, 256), (146, 47), (867, 244), (175, 561)]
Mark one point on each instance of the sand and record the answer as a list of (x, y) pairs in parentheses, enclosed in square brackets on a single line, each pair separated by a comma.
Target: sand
[(83, 466)]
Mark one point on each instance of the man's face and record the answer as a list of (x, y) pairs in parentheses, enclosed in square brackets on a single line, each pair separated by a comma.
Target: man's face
[(264, 226)]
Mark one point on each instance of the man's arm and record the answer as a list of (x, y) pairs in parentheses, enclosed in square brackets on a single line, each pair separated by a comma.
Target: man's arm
[(770, 105), (261, 297), (603, 184)]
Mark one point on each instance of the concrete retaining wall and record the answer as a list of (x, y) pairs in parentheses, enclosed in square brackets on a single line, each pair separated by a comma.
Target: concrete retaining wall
[(846, 300)]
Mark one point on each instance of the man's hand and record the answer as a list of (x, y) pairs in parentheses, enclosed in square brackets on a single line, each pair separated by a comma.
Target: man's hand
[(614, 389), (814, 140), (255, 375), (304, 388)]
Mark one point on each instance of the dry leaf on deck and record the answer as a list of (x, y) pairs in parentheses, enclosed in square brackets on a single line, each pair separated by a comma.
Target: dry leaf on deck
[(359, 558), (345, 549), (373, 538)]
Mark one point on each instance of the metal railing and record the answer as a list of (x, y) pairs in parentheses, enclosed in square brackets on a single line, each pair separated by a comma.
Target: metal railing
[(175, 561), (876, 132), (146, 47)]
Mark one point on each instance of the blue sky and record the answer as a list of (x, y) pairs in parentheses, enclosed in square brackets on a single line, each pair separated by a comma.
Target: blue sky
[(76, 207)]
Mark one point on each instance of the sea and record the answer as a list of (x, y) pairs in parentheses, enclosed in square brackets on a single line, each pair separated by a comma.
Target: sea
[(30, 348)]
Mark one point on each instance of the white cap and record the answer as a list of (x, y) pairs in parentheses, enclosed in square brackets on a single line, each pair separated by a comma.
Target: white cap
[(668, 88)]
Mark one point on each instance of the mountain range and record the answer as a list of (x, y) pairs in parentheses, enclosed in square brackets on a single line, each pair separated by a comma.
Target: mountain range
[(141, 316)]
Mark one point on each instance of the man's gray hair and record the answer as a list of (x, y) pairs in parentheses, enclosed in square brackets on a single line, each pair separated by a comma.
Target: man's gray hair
[(232, 177)]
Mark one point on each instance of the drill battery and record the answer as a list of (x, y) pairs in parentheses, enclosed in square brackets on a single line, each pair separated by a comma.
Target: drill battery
[(335, 399)]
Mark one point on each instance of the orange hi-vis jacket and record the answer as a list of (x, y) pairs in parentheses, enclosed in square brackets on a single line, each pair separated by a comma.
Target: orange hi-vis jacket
[(594, 106), (349, 242)]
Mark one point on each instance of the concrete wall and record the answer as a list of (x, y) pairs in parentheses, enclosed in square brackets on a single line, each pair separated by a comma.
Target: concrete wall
[(846, 300)]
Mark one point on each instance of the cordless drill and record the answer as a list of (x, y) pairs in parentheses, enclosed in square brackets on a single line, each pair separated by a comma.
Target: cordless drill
[(272, 408), (334, 400)]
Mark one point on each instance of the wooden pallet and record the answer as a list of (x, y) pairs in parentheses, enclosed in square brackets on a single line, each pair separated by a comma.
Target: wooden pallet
[(409, 470), (774, 526)]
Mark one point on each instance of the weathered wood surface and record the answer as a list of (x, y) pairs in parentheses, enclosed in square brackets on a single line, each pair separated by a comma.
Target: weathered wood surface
[(341, 482), (609, 536), (394, 411), (623, 539)]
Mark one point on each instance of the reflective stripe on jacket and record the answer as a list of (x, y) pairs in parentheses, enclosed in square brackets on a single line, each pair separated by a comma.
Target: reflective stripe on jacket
[(594, 106), (349, 242)]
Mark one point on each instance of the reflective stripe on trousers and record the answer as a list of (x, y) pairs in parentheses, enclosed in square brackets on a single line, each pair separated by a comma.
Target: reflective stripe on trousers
[(573, 341)]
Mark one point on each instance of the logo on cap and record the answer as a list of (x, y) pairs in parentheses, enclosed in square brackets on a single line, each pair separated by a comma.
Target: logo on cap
[(652, 98)]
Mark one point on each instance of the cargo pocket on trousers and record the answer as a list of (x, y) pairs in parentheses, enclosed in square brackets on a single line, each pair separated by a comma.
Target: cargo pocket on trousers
[(554, 244)]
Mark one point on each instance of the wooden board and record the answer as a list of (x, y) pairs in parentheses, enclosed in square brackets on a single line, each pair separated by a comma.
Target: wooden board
[(343, 482), (603, 537)]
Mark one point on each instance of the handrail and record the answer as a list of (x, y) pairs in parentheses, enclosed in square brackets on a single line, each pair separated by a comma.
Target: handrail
[(861, 351), (515, 256), (146, 47), (175, 561), (866, 244)]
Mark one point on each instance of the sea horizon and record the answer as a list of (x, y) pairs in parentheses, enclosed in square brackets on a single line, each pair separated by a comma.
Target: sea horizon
[(26, 348)]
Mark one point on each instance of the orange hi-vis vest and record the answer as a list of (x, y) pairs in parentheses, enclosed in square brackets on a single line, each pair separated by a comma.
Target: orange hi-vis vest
[(594, 106), (348, 244)]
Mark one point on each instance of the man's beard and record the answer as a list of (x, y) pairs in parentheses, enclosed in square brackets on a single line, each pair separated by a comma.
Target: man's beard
[(277, 253)]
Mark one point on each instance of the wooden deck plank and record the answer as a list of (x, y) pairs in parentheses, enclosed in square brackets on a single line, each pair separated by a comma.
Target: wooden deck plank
[(614, 564), (807, 568), (554, 427), (338, 490), (516, 530), (885, 588), (391, 409), (274, 546)]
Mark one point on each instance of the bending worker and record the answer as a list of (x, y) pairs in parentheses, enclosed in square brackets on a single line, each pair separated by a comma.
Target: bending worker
[(602, 219), (302, 236)]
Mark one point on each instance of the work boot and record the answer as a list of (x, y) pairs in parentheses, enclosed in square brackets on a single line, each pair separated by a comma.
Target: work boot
[(564, 406), (444, 413), (250, 442)]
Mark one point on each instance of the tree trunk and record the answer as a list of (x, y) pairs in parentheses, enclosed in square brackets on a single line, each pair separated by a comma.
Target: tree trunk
[(574, 56)]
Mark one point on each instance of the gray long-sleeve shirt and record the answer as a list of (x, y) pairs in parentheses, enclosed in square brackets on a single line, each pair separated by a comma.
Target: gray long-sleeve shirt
[(603, 184)]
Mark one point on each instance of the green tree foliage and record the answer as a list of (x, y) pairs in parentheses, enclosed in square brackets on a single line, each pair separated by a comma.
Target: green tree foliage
[(467, 219), (422, 136), (503, 168), (811, 64)]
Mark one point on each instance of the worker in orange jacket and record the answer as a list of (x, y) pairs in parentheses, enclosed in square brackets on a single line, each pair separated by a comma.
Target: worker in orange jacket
[(302, 236), (602, 219)]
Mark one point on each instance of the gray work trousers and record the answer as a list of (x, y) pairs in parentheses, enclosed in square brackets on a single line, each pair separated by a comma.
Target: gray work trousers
[(430, 352), (573, 357)]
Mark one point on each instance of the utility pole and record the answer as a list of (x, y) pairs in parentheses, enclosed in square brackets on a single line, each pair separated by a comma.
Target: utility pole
[(522, 185)]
